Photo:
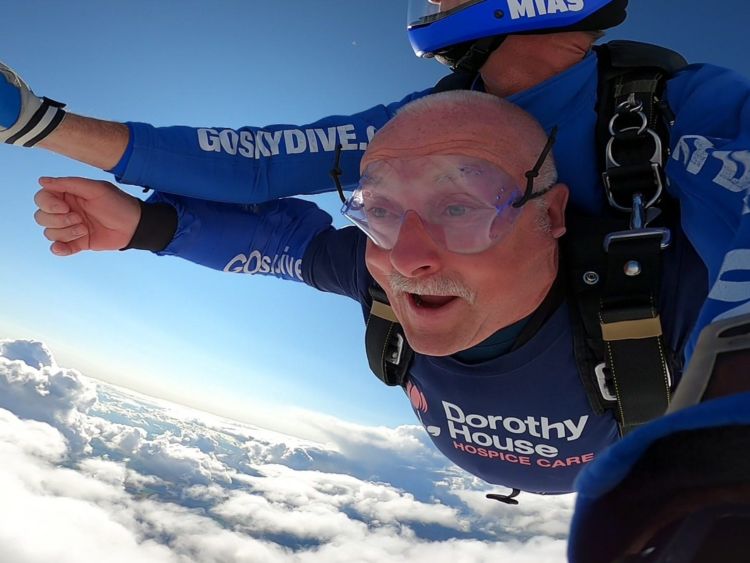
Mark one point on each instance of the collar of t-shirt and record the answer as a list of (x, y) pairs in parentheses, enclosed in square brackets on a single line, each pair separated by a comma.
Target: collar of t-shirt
[(516, 335)]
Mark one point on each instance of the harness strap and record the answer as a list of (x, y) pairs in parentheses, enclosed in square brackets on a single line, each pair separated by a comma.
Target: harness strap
[(388, 352), (632, 333), (632, 123)]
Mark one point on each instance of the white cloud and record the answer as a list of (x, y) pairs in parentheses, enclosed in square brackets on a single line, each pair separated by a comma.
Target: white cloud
[(95, 474)]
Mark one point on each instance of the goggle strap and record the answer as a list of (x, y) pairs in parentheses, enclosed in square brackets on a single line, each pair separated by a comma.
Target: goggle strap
[(336, 173), (534, 172)]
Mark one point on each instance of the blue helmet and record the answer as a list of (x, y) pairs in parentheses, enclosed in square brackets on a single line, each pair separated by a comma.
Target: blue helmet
[(447, 29)]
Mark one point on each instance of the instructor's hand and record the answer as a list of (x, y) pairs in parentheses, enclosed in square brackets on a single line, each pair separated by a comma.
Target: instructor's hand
[(82, 214)]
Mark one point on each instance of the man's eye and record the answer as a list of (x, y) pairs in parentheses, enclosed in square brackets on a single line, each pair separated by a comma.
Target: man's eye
[(456, 210), (380, 213)]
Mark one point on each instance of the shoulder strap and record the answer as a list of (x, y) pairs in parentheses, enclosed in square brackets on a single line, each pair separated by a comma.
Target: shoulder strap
[(615, 270), (388, 352), (633, 118)]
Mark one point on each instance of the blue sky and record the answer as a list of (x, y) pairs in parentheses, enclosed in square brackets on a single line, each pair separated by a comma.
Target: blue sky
[(241, 346)]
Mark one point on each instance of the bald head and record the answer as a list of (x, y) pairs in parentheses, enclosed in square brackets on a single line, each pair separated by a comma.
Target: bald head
[(464, 123)]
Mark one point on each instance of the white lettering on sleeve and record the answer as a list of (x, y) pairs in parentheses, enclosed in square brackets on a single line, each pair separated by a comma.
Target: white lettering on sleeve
[(312, 142), (208, 140), (327, 138), (260, 148), (729, 176), (294, 140), (230, 140), (347, 134), (246, 149), (692, 159), (274, 140), (236, 264)]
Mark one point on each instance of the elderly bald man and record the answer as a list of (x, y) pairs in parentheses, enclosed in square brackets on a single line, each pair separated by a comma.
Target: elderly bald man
[(458, 218)]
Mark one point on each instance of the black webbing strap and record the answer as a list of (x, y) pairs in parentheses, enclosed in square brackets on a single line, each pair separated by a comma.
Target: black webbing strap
[(470, 56), (631, 330), (633, 120), (456, 80), (635, 72), (388, 352)]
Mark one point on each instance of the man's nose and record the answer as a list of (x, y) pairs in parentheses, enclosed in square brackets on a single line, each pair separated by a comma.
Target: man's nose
[(415, 252)]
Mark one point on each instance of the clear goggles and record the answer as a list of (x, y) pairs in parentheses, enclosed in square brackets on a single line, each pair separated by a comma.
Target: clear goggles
[(464, 207)]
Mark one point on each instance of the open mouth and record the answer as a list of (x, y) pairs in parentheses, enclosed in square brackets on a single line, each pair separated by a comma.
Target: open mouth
[(431, 301)]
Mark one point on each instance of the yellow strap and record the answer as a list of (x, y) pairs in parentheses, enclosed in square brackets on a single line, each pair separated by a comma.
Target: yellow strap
[(632, 330), (383, 311)]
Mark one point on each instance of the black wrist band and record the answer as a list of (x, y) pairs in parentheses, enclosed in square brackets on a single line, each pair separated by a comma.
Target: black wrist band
[(156, 229)]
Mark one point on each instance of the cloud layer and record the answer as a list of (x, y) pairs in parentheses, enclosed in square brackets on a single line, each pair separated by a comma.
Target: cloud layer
[(92, 473)]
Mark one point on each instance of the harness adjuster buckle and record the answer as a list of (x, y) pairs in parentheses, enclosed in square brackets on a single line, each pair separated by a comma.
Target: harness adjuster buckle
[(656, 170), (618, 236), (395, 350), (605, 383)]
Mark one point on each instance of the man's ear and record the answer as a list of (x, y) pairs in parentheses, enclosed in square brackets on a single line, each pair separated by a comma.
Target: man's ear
[(557, 199)]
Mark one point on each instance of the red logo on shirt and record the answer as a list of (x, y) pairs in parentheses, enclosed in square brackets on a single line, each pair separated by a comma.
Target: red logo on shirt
[(417, 398)]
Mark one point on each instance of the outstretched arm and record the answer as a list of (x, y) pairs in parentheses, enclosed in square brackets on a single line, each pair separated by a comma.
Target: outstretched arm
[(271, 238), (91, 141), (27, 120), (291, 238)]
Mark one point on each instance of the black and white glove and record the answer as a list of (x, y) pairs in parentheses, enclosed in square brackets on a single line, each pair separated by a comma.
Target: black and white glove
[(25, 119)]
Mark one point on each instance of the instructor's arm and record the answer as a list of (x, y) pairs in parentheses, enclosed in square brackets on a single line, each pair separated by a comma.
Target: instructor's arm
[(88, 140)]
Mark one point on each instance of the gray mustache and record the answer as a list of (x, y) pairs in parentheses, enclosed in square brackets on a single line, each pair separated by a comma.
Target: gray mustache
[(436, 285)]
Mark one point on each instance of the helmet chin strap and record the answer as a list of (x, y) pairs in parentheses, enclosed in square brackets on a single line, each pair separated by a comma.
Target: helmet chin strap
[(470, 57)]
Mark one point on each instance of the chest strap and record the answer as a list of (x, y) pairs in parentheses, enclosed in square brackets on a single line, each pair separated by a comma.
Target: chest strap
[(613, 285), (631, 330)]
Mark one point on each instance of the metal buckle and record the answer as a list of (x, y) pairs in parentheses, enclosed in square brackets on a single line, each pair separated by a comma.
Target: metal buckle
[(655, 168), (632, 108), (601, 379), (665, 234), (396, 350)]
